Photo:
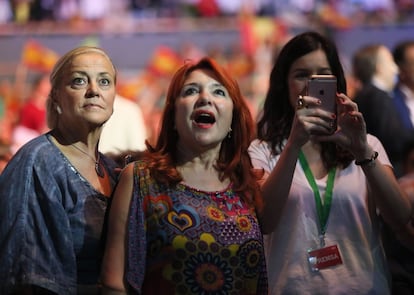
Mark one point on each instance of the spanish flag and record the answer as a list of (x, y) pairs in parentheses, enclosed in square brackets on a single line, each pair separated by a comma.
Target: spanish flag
[(256, 30), (164, 62), (37, 57)]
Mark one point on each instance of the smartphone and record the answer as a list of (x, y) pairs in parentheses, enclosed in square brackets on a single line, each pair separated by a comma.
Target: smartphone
[(324, 87)]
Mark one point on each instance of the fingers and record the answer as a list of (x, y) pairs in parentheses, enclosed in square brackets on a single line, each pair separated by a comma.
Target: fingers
[(346, 104), (306, 102), (312, 116), (354, 119), (348, 111)]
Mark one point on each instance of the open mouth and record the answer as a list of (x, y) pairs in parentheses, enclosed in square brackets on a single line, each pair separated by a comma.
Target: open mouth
[(203, 117)]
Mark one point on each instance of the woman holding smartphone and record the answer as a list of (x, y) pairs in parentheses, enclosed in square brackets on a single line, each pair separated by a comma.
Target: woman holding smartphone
[(323, 185)]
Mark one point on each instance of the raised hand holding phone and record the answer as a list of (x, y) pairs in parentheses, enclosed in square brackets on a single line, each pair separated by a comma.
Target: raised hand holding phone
[(324, 87)]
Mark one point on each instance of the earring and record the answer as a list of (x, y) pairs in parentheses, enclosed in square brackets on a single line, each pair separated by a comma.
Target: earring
[(58, 110), (229, 133)]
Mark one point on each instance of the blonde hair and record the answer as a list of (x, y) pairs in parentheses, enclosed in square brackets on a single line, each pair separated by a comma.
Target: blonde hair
[(56, 75)]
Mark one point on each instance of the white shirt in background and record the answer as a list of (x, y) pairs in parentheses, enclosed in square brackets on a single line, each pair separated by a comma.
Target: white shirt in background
[(125, 130)]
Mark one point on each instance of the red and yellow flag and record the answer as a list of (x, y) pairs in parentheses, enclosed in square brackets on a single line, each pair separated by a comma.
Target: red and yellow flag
[(164, 62), (37, 57)]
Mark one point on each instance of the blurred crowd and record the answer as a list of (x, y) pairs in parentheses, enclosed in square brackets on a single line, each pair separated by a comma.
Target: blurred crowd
[(22, 113), (22, 100), (344, 11)]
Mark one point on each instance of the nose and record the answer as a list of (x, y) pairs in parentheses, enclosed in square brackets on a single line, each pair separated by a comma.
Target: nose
[(204, 98), (92, 90)]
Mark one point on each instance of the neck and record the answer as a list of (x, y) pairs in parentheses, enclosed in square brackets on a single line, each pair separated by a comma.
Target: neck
[(311, 147), (86, 141), (380, 84), (197, 158), (91, 151)]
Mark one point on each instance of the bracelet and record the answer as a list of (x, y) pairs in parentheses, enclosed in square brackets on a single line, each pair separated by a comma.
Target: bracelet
[(369, 161)]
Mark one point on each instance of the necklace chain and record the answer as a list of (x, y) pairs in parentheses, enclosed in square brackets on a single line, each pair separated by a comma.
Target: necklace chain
[(98, 167)]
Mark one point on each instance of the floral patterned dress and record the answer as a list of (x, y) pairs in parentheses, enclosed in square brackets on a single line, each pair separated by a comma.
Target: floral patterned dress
[(185, 241)]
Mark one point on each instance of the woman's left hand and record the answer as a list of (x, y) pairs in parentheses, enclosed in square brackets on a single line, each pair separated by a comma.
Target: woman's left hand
[(351, 133)]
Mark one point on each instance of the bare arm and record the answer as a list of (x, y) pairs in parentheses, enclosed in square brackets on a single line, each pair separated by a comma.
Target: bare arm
[(384, 188), (113, 265), (406, 235), (276, 184), (388, 196), (275, 189)]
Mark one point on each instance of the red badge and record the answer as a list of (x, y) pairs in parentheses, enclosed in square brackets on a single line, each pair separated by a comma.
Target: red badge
[(324, 257)]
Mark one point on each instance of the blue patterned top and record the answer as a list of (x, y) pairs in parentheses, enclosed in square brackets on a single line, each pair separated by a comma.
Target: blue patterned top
[(186, 241), (51, 221)]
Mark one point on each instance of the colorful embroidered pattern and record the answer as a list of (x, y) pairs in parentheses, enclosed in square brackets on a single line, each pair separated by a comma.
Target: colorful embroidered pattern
[(201, 243)]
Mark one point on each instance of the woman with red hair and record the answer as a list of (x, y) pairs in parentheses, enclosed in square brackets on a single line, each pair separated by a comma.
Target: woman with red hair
[(183, 219)]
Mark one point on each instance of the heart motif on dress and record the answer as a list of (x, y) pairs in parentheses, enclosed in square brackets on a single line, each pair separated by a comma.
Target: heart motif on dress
[(182, 220), (160, 205)]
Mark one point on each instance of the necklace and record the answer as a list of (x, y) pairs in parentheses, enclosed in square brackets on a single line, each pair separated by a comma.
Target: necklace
[(99, 170)]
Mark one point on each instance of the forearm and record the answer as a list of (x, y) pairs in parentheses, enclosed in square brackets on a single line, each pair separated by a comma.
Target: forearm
[(388, 196), (276, 188)]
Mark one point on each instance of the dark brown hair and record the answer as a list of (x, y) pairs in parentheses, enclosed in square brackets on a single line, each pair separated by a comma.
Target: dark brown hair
[(276, 121)]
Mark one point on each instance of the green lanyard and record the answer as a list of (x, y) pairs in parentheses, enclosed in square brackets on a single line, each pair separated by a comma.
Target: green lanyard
[(321, 209)]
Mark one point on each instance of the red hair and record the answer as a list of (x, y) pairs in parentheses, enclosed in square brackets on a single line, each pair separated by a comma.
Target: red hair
[(234, 161)]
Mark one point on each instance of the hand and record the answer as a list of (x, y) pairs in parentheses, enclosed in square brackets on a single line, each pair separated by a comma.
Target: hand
[(310, 120), (351, 133)]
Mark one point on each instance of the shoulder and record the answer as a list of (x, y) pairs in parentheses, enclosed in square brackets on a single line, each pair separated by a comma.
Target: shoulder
[(111, 165), (377, 146), (373, 141), (128, 183), (372, 97), (38, 150), (38, 143), (261, 155), (259, 145), (134, 169)]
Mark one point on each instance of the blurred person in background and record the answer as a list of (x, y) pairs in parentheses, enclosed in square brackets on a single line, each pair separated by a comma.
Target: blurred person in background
[(403, 94), (56, 188), (5, 155), (41, 10), (374, 68), (125, 130), (6, 14), (8, 111), (95, 12), (399, 248), (33, 113), (183, 221), (32, 116)]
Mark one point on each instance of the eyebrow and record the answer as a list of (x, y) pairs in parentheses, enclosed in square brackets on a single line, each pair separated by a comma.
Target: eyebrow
[(86, 74), (217, 84)]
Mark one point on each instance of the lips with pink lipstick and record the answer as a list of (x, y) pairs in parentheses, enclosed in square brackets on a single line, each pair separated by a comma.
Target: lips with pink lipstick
[(204, 119)]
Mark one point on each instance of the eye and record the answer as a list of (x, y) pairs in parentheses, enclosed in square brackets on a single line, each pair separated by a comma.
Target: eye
[(78, 81), (302, 75), (104, 82), (190, 91), (219, 92)]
